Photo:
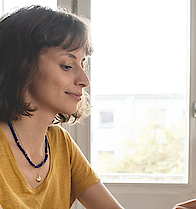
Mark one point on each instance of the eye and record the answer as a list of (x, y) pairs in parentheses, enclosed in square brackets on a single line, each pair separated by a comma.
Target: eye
[(66, 67)]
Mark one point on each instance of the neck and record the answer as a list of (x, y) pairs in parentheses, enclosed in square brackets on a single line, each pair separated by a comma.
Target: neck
[(32, 131)]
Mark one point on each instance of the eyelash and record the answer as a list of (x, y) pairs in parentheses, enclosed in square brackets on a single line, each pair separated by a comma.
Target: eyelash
[(66, 67)]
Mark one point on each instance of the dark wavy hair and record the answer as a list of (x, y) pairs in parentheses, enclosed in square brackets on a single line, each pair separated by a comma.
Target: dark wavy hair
[(24, 35)]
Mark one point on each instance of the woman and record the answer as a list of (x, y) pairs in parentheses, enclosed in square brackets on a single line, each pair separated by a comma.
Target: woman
[(42, 80)]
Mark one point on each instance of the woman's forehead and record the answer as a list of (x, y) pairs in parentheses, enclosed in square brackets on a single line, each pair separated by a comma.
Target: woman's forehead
[(53, 52)]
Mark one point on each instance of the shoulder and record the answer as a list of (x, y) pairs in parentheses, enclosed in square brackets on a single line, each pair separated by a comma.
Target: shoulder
[(57, 131), (58, 135), (60, 139)]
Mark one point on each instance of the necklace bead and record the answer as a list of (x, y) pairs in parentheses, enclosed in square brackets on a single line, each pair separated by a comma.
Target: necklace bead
[(25, 154)]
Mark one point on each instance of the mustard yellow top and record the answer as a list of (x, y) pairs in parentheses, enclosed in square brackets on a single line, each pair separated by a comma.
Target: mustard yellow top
[(69, 175)]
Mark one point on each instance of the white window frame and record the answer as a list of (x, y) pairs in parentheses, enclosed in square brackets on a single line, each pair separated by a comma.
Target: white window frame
[(153, 195)]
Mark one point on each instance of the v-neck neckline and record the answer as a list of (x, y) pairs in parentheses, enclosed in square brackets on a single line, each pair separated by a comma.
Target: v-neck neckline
[(19, 172)]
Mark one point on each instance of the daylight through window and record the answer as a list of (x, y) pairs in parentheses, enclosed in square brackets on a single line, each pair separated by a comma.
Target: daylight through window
[(139, 90)]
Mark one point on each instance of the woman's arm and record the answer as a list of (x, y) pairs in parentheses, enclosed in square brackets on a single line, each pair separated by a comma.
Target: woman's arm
[(179, 207), (186, 205), (97, 196)]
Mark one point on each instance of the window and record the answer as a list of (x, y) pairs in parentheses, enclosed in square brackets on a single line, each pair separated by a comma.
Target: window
[(140, 70), (106, 119)]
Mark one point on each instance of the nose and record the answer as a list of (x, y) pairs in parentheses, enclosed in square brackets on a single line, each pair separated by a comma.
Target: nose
[(82, 79)]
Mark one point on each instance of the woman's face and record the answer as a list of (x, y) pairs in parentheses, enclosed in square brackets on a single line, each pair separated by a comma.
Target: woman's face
[(58, 87)]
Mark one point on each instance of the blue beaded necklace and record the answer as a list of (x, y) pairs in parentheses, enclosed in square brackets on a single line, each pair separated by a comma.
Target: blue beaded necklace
[(23, 151)]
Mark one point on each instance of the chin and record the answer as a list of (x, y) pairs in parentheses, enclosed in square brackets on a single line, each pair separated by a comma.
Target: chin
[(70, 112)]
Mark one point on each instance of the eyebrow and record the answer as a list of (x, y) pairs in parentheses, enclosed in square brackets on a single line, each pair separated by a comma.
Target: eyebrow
[(71, 55)]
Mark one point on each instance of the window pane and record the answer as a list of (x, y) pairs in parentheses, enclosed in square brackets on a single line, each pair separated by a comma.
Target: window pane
[(139, 90)]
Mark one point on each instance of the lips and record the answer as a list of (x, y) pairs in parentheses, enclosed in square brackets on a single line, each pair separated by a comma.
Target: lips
[(76, 96)]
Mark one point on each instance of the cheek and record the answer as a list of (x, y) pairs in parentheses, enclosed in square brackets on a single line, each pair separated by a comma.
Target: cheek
[(51, 83), (39, 86)]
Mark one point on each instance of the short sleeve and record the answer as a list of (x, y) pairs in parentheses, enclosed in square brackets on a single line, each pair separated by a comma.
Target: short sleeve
[(82, 174)]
